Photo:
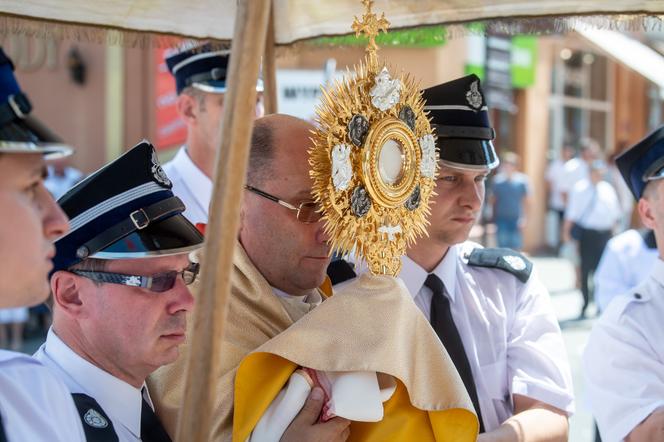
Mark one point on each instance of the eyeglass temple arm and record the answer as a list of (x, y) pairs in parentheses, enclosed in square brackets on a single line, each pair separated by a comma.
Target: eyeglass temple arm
[(270, 197)]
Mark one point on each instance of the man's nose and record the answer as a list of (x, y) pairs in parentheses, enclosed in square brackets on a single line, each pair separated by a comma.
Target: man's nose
[(183, 300)]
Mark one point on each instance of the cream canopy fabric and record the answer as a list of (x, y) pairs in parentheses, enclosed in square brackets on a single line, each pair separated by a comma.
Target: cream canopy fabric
[(302, 19)]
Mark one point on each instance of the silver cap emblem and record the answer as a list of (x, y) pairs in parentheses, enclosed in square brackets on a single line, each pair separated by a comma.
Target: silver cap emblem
[(159, 173), (94, 419), (474, 96), (516, 262)]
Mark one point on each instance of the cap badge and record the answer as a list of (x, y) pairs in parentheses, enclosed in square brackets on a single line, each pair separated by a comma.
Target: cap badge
[(516, 262), (95, 419), (342, 169), (474, 96), (158, 173), (386, 91)]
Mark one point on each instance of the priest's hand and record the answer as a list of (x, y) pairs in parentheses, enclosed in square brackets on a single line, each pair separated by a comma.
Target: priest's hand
[(305, 426)]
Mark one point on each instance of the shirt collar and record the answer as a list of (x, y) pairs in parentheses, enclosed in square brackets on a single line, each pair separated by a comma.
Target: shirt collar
[(194, 178), (414, 276), (121, 401)]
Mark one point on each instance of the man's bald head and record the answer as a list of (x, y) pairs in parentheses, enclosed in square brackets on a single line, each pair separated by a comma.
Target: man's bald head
[(270, 137), (292, 255)]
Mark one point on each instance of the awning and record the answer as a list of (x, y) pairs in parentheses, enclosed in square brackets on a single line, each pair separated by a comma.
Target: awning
[(295, 19), (630, 52)]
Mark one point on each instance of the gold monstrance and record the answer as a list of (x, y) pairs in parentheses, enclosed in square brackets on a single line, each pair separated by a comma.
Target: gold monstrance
[(374, 159)]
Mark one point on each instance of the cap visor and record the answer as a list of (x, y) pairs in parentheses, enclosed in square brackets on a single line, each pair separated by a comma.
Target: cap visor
[(465, 153), (171, 236), (29, 135)]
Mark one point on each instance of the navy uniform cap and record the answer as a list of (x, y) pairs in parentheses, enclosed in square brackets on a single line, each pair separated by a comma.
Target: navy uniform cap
[(460, 116), (20, 132), (125, 210), (643, 162), (203, 67)]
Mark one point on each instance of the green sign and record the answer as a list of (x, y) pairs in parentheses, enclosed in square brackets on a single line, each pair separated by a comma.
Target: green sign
[(422, 37), (524, 59)]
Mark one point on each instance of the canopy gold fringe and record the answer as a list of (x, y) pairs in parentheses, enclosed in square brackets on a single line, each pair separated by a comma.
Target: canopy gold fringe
[(11, 25)]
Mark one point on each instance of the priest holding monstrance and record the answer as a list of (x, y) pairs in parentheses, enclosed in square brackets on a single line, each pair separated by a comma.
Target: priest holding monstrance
[(368, 347)]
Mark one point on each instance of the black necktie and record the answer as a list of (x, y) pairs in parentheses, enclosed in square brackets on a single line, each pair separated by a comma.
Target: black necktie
[(443, 323), (151, 428), (97, 426), (3, 436)]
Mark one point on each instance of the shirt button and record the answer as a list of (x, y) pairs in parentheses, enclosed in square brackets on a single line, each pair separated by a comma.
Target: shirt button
[(637, 295)]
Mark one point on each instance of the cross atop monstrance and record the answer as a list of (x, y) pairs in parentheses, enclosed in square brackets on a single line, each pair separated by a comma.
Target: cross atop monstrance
[(370, 26)]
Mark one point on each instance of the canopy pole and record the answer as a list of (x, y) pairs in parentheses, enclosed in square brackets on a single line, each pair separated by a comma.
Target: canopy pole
[(211, 306), (270, 67)]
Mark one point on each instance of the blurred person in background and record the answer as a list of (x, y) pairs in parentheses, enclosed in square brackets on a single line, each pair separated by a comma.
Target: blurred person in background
[(61, 177), (200, 79), (12, 321), (555, 181), (622, 191), (594, 207), (509, 194)]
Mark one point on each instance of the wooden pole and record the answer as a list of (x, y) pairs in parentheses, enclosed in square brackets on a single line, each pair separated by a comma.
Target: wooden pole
[(270, 68), (210, 313)]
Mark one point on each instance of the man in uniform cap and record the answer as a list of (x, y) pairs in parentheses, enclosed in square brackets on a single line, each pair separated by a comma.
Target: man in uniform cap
[(490, 312), (34, 405), (119, 294), (200, 76), (624, 358)]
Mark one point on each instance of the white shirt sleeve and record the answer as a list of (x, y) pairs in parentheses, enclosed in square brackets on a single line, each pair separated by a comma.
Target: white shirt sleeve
[(35, 406), (624, 378), (536, 358), (610, 279)]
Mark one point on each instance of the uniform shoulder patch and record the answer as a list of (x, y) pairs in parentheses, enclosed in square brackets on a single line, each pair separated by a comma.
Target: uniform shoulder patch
[(504, 259)]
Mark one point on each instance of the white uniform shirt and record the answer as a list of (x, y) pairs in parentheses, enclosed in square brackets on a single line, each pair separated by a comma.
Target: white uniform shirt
[(191, 185), (624, 359), (574, 170), (626, 262), (34, 404), (602, 213), (555, 175), (508, 329), (121, 402)]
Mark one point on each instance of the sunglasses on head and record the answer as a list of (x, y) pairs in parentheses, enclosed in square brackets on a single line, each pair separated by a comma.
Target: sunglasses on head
[(159, 282)]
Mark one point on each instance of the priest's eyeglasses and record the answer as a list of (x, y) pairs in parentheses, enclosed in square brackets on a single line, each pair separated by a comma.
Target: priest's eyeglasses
[(159, 282), (307, 211)]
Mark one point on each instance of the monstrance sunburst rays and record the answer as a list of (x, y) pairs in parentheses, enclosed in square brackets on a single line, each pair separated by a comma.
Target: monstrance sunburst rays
[(373, 160)]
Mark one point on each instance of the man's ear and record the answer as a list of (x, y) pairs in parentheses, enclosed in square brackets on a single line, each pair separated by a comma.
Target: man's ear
[(645, 212), (66, 289), (187, 107)]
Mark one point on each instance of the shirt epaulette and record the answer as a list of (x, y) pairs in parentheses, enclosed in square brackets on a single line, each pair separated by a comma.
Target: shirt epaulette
[(504, 259)]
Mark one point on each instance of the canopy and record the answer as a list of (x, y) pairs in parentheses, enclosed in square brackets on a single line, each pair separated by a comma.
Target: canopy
[(255, 26), (302, 19)]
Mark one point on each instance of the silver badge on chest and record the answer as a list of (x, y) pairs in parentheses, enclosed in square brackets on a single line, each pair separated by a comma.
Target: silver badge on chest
[(94, 419)]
